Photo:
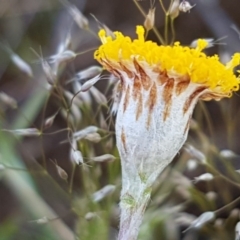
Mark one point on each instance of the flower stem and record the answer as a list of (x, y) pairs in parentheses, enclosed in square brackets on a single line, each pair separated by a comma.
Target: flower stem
[(132, 213)]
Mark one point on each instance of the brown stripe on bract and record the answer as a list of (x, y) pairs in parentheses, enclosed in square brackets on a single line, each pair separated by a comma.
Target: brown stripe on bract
[(149, 119), (137, 87), (119, 87), (162, 77), (126, 99), (107, 65), (129, 73), (116, 73), (123, 83), (139, 106), (152, 99), (117, 92), (151, 102), (156, 68), (182, 84), (167, 97), (209, 96), (192, 97), (145, 79), (188, 124), (123, 138)]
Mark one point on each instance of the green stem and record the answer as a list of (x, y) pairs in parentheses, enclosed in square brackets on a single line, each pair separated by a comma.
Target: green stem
[(132, 212), (166, 28)]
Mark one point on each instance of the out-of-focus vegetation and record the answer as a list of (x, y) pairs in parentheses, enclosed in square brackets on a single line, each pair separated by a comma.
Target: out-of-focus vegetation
[(53, 184)]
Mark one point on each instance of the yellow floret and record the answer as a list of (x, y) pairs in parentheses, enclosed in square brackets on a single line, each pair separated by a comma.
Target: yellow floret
[(178, 59)]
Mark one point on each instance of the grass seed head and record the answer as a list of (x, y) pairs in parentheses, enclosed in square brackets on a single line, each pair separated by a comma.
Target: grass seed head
[(49, 73), (62, 57), (62, 173), (102, 193), (89, 72), (93, 137), (22, 65), (27, 132), (150, 19), (84, 132), (40, 221), (88, 84), (185, 6), (78, 17), (7, 100), (49, 121), (206, 177), (174, 9), (202, 220), (98, 96), (76, 156), (104, 158)]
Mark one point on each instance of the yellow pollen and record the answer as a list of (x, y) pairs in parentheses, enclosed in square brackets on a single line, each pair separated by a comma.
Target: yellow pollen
[(201, 44), (140, 33), (177, 59)]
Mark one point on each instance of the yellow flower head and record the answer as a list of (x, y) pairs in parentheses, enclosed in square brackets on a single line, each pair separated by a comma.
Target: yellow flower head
[(175, 60), (154, 99)]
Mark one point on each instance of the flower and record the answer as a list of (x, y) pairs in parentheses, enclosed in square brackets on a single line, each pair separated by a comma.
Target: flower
[(159, 87), (121, 53)]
